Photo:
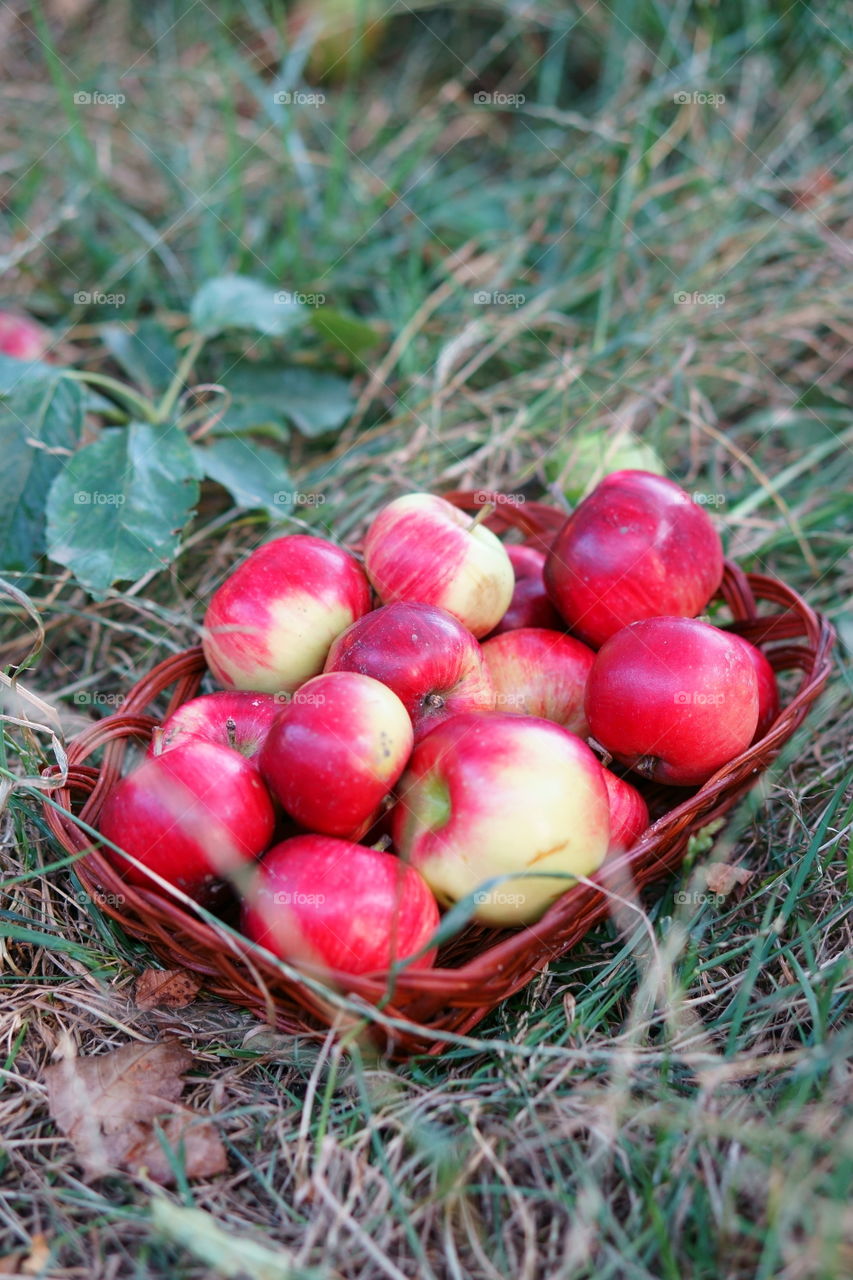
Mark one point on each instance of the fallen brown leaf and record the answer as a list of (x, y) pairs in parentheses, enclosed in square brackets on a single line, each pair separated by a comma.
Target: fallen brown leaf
[(166, 989), (108, 1105), (721, 877), (24, 1262)]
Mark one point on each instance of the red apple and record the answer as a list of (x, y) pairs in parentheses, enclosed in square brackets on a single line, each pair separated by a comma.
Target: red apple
[(336, 751), (636, 548), (237, 719), (194, 815), (529, 606), (543, 673), (426, 656), (421, 549), (269, 625), (489, 796), (337, 904), (22, 337), (629, 813), (673, 698), (768, 689)]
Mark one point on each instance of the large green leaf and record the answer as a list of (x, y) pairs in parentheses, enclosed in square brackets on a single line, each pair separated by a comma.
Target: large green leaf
[(349, 332), (118, 508), (239, 302), (41, 416), (253, 474), (147, 355), (314, 402)]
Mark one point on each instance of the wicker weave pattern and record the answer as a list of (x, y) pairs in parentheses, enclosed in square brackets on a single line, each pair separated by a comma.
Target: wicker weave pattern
[(481, 967)]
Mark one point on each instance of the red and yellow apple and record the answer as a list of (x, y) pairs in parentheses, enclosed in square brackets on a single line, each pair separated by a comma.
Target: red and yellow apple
[(673, 698), (233, 718), (636, 548), (421, 549), (335, 752), (270, 625), (428, 658), (195, 816), (488, 796), (328, 902), (543, 673)]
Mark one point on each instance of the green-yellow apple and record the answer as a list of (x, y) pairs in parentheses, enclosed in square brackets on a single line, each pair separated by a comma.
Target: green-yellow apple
[(487, 796), (424, 550)]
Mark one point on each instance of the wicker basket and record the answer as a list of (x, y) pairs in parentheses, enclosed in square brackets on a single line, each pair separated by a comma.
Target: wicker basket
[(480, 967)]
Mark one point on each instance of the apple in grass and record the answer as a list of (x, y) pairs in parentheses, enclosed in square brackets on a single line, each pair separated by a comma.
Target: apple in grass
[(636, 548), (335, 751), (673, 698), (530, 605), (629, 813), (22, 337), (237, 719), (330, 902), (433, 664), (195, 816), (487, 796), (269, 626), (537, 672), (422, 549)]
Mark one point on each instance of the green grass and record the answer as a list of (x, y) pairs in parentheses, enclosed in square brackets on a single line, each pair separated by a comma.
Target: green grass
[(673, 1097)]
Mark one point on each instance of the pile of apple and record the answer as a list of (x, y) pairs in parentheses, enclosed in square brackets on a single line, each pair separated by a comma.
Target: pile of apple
[(398, 736)]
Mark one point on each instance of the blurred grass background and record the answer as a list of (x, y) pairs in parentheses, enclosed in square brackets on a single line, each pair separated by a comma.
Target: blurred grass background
[(659, 1103)]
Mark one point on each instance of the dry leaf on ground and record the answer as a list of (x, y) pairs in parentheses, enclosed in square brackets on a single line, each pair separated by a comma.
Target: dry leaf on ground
[(721, 877), (165, 989), (107, 1106)]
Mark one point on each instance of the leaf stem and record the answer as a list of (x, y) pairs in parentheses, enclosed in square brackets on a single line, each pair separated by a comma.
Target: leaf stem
[(188, 359), (131, 397)]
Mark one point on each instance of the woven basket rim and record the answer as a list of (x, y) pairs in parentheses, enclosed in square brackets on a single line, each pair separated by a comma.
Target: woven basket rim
[(796, 638)]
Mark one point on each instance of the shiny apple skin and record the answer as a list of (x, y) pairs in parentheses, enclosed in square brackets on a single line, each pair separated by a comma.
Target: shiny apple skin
[(495, 795), (530, 605), (238, 719), (636, 548), (335, 752), (269, 626), (543, 673), (673, 698), (421, 549), (323, 901), (195, 815), (433, 664), (768, 689), (629, 814)]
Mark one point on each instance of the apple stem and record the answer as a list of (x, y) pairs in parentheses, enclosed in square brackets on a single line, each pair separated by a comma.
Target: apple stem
[(646, 766), (157, 741), (606, 757), (231, 731), (482, 514)]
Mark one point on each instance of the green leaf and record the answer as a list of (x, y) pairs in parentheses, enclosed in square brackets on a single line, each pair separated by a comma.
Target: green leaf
[(344, 330), (118, 508), (148, 356), (246, 415), (314, 402), (41, 417), (253, 474), (239, 302)]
